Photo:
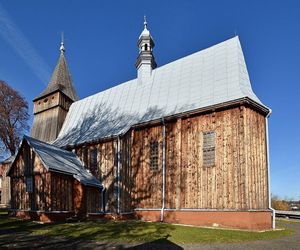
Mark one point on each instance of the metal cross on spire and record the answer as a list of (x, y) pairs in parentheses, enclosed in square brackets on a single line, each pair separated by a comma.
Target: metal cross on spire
[(62, 45), (145, 22)]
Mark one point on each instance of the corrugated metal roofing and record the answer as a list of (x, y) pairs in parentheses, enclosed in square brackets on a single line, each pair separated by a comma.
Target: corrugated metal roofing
[(214, 75), (63, 161)]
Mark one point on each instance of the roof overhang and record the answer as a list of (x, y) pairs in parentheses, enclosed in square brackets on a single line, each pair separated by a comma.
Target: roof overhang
[(246, 101)]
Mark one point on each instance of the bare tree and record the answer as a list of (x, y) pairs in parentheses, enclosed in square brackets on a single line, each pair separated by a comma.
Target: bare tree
[(13, 118)]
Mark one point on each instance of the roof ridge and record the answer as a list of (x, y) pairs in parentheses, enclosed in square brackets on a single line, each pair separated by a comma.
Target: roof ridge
[(158, 68)]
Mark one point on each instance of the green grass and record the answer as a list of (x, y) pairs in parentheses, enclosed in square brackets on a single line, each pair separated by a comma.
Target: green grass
[(135, 231), (3, 211)]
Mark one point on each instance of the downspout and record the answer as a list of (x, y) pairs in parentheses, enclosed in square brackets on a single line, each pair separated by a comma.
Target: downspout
[(118, 176), (163, 171), (269, 179)]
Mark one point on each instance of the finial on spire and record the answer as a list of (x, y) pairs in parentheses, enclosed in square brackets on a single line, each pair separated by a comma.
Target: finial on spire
[(62, 45), (145, 22)]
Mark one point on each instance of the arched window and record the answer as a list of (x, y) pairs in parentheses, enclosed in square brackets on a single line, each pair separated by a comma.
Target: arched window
[(146, 47)]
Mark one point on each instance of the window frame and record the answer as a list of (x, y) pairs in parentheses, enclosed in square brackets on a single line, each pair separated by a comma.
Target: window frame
[(29, 187), (93, 163), (154, 156), (208, 146)]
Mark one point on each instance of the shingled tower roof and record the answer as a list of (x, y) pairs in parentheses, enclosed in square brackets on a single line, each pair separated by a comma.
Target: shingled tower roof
[(60, 79)]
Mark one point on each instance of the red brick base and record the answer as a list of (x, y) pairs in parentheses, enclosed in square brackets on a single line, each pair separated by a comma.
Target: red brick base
[(251, 220), (41, 216)]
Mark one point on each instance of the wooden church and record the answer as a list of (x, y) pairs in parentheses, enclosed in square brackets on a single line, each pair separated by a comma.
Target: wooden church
[(185, 143)]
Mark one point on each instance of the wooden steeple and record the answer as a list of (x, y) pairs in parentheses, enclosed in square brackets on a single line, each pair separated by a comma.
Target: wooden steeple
[(52, 105)]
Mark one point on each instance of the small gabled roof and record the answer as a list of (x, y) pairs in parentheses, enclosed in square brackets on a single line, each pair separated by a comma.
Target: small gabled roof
[(213, 76), (60, 80), (59, 160), (8, 160)]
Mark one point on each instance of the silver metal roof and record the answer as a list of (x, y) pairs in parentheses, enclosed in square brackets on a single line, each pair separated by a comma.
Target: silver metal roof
[(211, 76), (62, 161)]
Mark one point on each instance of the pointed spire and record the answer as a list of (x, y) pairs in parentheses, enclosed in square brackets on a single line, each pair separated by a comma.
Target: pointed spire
[(61, 78)]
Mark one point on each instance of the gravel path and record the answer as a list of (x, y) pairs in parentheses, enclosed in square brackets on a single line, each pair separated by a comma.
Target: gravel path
[(26, 241)]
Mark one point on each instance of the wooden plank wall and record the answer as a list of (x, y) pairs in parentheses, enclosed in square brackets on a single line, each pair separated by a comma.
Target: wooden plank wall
[(93, 200), (106, 171), (255, 153), (52, 111), (238, 181), (147, 186), (51, 191), (61, 192), (27, 164), (126, 175), (20, 198), (47, 124)]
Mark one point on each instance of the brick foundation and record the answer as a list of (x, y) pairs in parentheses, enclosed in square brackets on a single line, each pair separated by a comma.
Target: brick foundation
[(250, 220)]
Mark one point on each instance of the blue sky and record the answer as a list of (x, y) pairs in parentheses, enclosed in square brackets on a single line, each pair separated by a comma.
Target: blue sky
[(100, 41)]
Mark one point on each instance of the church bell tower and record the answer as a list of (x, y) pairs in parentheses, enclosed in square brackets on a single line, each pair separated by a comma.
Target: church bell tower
[(145, 62), (52, 105)]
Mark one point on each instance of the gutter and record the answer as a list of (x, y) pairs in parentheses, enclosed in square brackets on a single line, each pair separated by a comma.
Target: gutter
[(163, 171), (118, 176), (269, 179)]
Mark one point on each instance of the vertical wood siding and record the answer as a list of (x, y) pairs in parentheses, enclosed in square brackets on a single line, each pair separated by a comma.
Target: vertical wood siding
[(49, 116), (105, 171), (51, 191), (237, 181)]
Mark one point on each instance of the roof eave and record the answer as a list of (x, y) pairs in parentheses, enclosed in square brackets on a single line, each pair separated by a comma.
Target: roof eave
[(217, 107)]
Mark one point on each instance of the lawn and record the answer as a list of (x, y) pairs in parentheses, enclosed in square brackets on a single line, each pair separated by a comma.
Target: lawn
[(3, 211), (134, 231)]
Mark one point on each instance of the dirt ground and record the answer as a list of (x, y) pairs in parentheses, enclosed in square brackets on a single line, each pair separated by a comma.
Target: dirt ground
[(26, 241)]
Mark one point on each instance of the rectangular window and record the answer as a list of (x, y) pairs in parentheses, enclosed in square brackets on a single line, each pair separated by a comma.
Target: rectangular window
[(154, 155), (85, 156), (29, 187), (208, 149), (93, 160)]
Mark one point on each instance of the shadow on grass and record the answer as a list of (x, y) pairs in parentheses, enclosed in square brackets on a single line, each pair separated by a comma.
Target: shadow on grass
[(85, 235), (161, 244)]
